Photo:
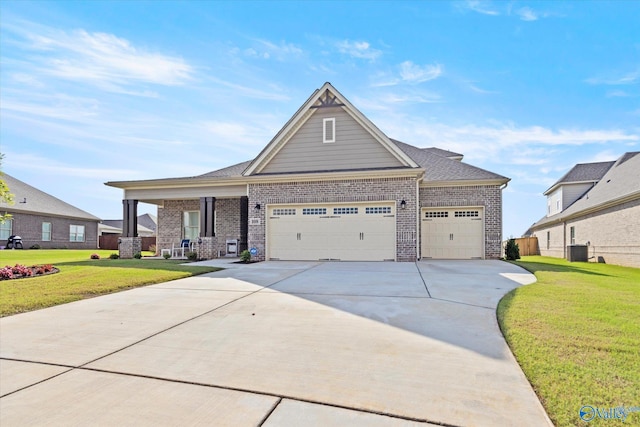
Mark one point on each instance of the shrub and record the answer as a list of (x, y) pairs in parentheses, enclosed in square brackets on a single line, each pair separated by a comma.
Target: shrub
[(511, 250), (35, 247), (166, 255), (153, 248), (137, 255), (95, 256), (245, 256), (192, 256), (114, 256), (47, 268), (6, 273)]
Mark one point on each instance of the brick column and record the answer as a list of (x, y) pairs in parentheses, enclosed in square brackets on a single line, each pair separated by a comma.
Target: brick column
[(129, 246)]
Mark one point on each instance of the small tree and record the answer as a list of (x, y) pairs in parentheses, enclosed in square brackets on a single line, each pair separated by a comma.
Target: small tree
[(5, 194), (512, 250)]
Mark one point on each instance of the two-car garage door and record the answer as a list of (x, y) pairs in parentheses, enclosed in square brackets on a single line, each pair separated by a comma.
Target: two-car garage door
[(452, 233), (347, 232)]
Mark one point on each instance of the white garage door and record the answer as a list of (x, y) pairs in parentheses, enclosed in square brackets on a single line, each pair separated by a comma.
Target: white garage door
[(452, 233), (347, 232)]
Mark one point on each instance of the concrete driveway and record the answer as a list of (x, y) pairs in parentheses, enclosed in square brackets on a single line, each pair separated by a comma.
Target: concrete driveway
[(276, 344)]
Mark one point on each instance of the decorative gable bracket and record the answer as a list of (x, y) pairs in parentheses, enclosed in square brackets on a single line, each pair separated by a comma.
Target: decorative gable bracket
[(329, 101)]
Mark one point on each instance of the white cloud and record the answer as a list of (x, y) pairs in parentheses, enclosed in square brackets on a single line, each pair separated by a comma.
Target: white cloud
[(412, 73), (358, 49), (408, 73), (617, 94), (478, 6), (619, 79), (101, 59), (527, 14)]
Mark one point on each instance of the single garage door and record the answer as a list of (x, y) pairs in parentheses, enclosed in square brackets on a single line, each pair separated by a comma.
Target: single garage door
[(346, 232), (452, 233)]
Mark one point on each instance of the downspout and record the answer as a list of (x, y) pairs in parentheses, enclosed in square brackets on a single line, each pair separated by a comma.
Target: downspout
[(418, 233)]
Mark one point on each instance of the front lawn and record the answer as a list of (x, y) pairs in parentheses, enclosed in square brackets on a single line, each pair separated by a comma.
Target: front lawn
[(80, 277), (576, 335)]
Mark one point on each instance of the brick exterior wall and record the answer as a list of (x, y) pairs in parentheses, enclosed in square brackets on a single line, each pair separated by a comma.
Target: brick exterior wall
[(129, 246), (556, 245), (227, 225), (339, 191), (488, 196), (613, 234), (29, 227)]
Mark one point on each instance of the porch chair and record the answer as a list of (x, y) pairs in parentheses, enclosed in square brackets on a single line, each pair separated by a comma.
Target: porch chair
[(184, 244)]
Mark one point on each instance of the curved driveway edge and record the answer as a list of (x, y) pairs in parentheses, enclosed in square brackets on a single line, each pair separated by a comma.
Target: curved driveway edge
[(276, 343)]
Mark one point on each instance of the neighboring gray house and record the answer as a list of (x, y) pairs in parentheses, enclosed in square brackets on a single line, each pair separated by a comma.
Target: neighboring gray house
[(41, 219), (147, 225), (329, 186), (597, 204)]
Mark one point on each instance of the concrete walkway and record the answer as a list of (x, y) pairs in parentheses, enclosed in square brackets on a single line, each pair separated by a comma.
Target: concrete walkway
[(273, 344)]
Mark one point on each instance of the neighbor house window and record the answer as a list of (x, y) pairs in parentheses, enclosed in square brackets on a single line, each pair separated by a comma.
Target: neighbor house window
[(46, 231), (572, 230), (5, 230), (548, 239), (191, 222), (76, 233), (329, 130)]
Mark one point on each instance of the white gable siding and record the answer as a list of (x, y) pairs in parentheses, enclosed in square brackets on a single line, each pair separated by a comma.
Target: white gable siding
[(554, 202), (572, 192), (354, 147)]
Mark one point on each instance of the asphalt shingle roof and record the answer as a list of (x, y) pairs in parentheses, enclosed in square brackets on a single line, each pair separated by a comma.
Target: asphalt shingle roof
[(585, 172), (441, 168), (621, 179), (39, 202)]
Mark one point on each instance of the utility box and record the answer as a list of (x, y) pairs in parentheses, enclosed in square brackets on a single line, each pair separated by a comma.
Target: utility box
[(577, 253)]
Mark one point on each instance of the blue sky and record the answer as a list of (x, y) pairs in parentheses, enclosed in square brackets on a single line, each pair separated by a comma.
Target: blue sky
[(102, 91)]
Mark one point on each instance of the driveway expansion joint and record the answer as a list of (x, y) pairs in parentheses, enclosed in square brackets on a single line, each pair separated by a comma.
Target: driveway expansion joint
[(422, 278), (268, 414)]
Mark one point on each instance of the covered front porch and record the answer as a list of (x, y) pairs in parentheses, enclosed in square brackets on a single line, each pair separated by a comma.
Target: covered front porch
[(211, 221)]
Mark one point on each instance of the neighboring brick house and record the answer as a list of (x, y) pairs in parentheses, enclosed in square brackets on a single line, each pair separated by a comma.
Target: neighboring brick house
[(329, 186), (597, 204), (43, 220)]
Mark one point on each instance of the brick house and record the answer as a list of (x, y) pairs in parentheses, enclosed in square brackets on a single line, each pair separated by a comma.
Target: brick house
[(329, 186), (43, 220), (597, 204)]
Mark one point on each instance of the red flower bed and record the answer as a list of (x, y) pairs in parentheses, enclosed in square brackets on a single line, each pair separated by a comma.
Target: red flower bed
[(20, 271)]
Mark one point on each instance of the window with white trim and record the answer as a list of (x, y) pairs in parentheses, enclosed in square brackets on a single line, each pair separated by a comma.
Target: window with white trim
[(378, 210), (345, 211), (191, 225), (329, 130), (5, 230), (76, 233), (466, 213), (314, 211), (439, 214), (284, 211), (46, 231)]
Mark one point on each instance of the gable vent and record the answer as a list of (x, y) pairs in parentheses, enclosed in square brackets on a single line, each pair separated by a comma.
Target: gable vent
[(329, 130)]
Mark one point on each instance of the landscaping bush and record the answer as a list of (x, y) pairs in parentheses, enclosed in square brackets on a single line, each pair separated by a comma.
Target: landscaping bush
[(153, 248), (137, 255), (35, 247), (166, 255), (511, 250), (95, 256), (114, 256), (192, 256), (245, 256), (6, 273)]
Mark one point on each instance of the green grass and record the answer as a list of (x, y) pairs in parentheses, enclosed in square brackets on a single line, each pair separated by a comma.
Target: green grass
[(80, 277), (576, 335)]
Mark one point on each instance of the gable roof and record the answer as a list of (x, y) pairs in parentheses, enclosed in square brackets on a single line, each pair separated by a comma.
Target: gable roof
[(146, 223), (439, 168), (620, 184), (444, 153), (326, 95), (582, 173), (39, 202)]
